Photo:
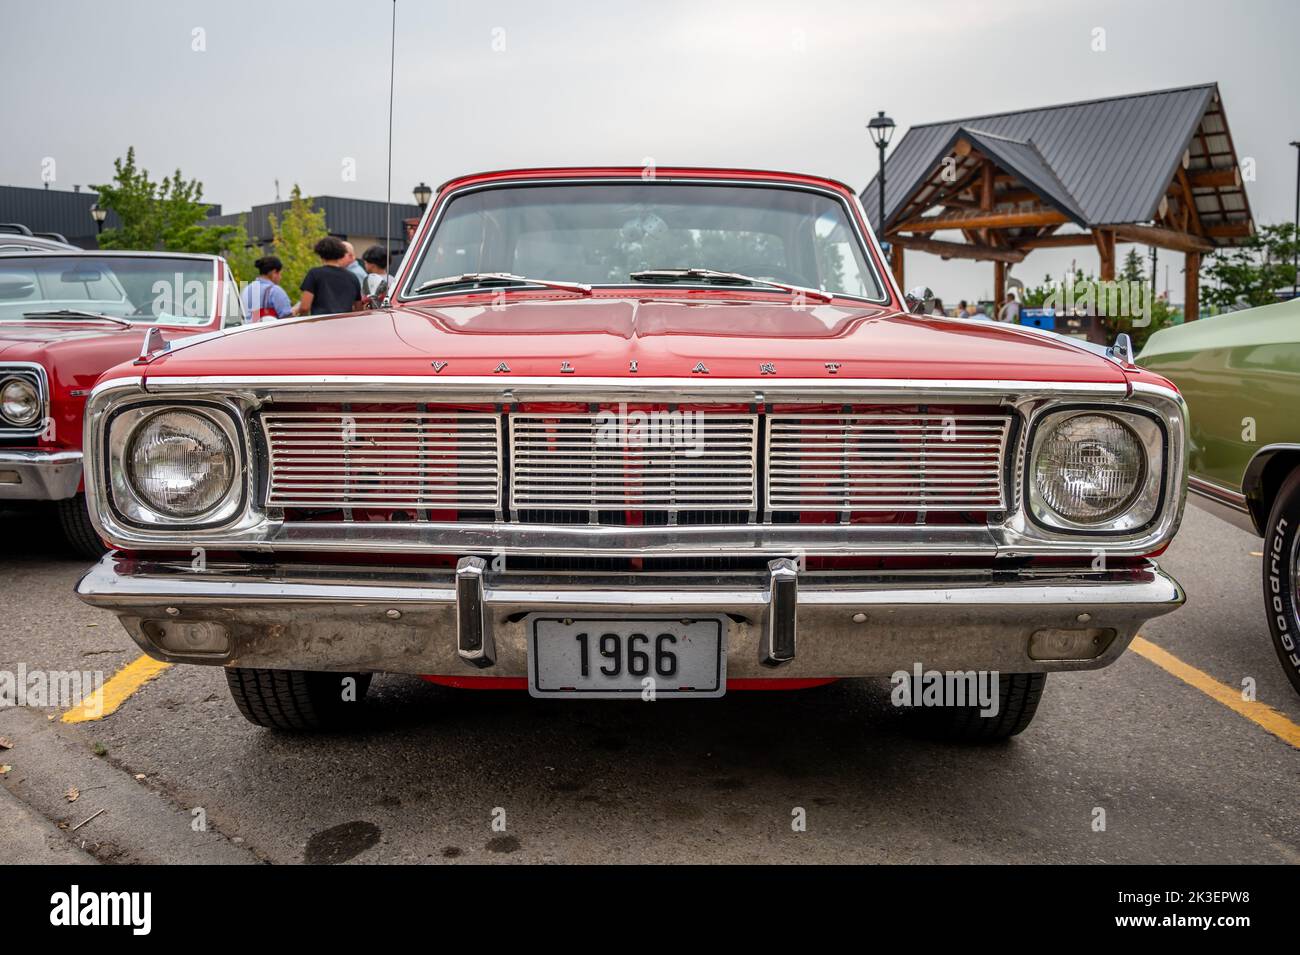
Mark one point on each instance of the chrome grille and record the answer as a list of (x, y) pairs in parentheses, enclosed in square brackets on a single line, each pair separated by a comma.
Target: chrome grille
[(654, 461), (687, 467), (884, 462), (384, 460)]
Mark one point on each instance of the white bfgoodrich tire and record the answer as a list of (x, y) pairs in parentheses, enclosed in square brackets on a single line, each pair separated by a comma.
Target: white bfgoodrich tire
[(1281, 570)]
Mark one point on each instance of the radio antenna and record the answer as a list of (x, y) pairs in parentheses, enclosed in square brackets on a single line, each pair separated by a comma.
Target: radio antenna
[(388, 203)]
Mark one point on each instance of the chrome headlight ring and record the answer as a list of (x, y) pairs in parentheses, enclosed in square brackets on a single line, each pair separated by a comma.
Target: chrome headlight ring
[(28, 377), (133, 505), (20, 402), (1139, 507)]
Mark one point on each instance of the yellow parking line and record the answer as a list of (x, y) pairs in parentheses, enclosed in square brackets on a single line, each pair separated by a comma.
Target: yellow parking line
[(1261, 714), (116, 691)]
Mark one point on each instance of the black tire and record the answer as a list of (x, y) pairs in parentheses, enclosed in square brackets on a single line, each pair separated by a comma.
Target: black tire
[(74, 518), (296, 700), (1279, 577), (1018, 696)]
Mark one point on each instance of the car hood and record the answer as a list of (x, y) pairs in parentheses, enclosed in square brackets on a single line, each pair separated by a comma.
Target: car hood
[(18, 336), (73, 355), (603, 335), (76, 348)]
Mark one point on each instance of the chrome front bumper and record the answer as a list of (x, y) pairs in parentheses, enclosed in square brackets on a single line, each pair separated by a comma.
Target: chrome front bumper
[(783, 622), (39, 475)]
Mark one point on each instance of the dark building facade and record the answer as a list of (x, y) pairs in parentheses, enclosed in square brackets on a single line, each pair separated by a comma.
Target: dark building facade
[(64, 211), (360, 221)]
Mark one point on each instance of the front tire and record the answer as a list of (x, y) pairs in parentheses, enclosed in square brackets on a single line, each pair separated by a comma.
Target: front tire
[(1280, 573), (298, 700), (1018, 697), (74, 518)]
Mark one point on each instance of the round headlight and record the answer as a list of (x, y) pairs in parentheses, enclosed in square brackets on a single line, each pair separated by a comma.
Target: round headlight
[(1089, 468), (20, 403), (180, 463)]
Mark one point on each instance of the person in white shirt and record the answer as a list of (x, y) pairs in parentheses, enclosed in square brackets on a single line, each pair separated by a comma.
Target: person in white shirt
[(377, 280), (1010, 310)]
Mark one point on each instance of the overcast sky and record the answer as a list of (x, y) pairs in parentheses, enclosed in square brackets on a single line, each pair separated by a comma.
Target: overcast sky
[(240, 93)]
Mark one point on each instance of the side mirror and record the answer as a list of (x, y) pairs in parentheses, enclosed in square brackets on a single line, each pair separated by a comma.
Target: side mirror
[(1122, 350), (920, 300)]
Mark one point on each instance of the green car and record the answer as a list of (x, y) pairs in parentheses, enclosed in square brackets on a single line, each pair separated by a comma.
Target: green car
[(1240, 375)]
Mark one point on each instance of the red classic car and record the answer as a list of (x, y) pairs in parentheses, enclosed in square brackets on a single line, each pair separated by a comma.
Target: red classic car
[(629, 435), (65, 317)]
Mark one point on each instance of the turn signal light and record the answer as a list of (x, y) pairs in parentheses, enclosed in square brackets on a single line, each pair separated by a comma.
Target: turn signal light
[(1084, 644), (185, 637)]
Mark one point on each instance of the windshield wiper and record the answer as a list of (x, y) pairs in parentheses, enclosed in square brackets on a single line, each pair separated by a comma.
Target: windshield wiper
[(726, 278), (500, 278), (78, 313)]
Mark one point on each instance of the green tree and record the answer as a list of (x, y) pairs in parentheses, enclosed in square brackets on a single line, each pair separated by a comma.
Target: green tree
[(163, 215), (241, 253), (1251, 273), (1133, 270), (293, 237)]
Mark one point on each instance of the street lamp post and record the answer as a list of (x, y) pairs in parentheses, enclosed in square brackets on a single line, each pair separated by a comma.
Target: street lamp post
[(881, 128), (422, 195), (99, 214)]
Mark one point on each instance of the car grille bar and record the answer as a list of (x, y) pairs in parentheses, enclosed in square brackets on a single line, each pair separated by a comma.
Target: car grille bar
[(653, 461), (385, 460), (885, 462)]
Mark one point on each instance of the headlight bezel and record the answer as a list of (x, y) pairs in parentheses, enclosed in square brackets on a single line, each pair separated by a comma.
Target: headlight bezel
[(130, 506), (33, 373), (1144, 507), (34, 388)]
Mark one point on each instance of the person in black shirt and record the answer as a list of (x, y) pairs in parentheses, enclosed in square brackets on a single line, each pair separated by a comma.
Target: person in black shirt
[(329, 288)]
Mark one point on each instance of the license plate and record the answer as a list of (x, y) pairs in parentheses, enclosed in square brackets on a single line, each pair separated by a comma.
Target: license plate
[(621, 657)]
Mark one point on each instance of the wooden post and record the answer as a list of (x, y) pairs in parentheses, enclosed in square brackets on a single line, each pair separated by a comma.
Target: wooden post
[(999, 288), (1106, 248), (896, 261), (986, 203), (1192, 287)]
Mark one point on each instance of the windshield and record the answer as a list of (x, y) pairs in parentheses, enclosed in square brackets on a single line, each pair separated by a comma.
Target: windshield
[(148, 290), (599, 234)]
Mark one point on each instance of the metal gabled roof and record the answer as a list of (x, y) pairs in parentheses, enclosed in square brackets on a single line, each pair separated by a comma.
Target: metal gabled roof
[(1112, 157)]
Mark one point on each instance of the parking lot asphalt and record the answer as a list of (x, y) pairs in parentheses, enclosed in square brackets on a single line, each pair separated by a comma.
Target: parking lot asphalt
[(1132, 763)]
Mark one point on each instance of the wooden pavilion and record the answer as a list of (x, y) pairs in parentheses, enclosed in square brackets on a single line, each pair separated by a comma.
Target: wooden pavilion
[(1152, 168)]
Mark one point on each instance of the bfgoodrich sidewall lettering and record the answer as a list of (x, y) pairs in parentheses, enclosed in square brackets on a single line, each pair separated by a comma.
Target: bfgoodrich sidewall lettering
[(1279, 583)]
